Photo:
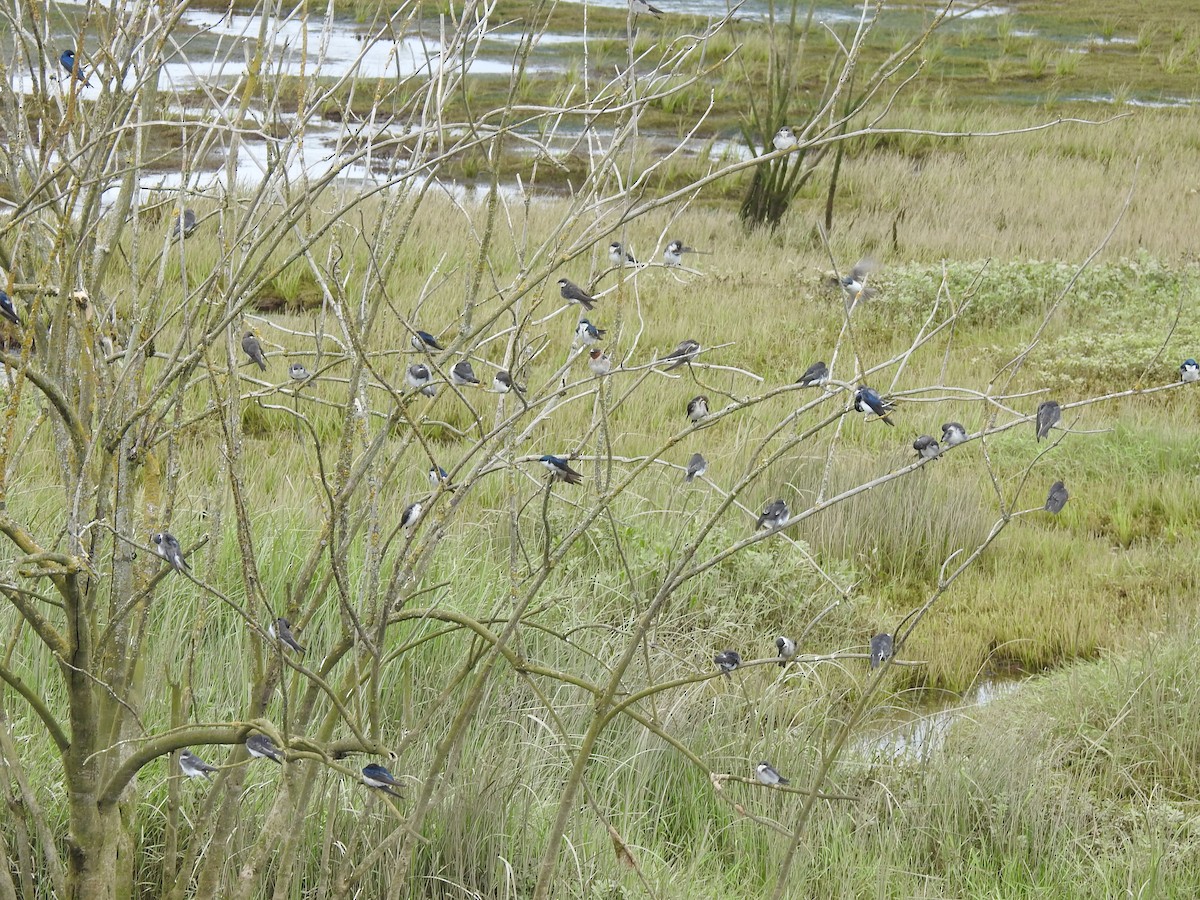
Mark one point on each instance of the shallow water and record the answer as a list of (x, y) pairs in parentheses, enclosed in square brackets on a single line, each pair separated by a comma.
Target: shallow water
[(913, 735)]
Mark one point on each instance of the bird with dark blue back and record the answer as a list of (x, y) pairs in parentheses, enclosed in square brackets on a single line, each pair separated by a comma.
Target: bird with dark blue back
[(867, 401), (7, 309), (560, 469), (74, 67), (377, 776)]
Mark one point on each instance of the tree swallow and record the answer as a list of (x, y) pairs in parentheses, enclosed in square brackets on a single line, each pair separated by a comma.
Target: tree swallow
[(684, 353), (727, 661), (696, 467), (1057, 498), (418, 376), (953, 434), (438, 475), (776, 515), (261, 746), (377, 776), (785, 139), (855, 284), (194, 767), (503, 383), (281, 630), (881, 649), (815, 375), (766, 774), (462, 373), (599, 362), (74, 67), (867, 401), (697, 408), (926, 447), (167, 547), (560, 470), (185, 224), (573, 292), (641, 7), (411, 513), (1048, 415), (254, 350), (298, 372), (424, 342), (1189, 370), (673, 255), (588, 333), (787, 649), (619, 256), (7, 309)]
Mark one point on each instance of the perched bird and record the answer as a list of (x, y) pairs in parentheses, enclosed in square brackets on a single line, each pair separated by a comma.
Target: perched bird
[(673, 255), (855, 284), (867, 401), (298, 372), (419, 376), (376, 776), (775, 515), (588, 333), (926, 447), (787, 649), (184, 225), (576, 294), (953, 434), (685, 352), (599, 362), (815, 375), (785, 139), (697, 408), (503, 383), (641, 7), (74, 67), (463, 374), (560, 470), (194, 767), (881, 649), (438, 475), (262, 747), (1057, 498), (766, 774), (1049, 414), (424, 342), (281, 630), (696, 467), (254, 350), (1189, 369), (167, 547), (411, 513), (727, 661), (7, 309), (619, 256)]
